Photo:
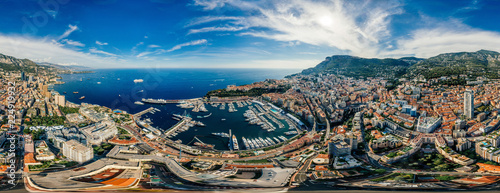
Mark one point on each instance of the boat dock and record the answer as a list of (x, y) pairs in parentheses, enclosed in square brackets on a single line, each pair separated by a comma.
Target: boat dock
[(150, 109), (174, 128)]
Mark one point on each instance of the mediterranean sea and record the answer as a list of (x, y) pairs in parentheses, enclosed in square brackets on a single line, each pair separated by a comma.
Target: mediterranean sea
[(115, 88)]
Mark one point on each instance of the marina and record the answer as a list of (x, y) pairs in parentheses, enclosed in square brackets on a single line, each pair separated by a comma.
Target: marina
[(252, 126), (255, 123), (257, 143)]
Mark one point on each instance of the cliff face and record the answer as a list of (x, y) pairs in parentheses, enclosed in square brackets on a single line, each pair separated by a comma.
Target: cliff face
[(16, 62), (9, 63)]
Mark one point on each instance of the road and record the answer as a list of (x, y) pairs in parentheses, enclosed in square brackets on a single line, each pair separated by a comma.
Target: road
[(440, 173), (371, 157), (132, 131), (302, 172), (171, 179), (327, 134)]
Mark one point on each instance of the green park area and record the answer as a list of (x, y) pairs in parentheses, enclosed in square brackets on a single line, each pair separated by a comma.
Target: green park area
[(53, 164), (99, 150), (433, 161)]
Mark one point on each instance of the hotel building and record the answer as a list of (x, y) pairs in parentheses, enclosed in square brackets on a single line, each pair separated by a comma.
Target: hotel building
[(77, 151)]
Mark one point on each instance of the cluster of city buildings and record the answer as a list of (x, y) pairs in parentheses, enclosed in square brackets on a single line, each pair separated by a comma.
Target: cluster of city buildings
[(398, 122)]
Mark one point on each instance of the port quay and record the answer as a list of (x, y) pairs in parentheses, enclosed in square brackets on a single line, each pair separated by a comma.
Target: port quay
[(269, 119)]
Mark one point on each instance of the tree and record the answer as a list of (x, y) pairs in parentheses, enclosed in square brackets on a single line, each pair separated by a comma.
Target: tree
[(438, 162), (380, 171), (399, 179)]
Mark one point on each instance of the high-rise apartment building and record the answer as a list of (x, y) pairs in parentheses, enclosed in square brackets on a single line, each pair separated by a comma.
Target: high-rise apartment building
[(469, 104), (60, 100)]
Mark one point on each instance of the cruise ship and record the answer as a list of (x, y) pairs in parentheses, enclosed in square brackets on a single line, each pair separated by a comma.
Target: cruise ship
[(235, 145), (154, 101)]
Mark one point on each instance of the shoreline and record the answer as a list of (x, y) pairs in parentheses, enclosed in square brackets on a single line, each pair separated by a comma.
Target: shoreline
[(205, 101)]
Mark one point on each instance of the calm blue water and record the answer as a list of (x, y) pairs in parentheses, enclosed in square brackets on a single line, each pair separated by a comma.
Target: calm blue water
[(117, 90)]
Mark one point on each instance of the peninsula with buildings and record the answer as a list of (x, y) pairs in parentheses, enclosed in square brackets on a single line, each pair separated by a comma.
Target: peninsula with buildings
[(352, 123)]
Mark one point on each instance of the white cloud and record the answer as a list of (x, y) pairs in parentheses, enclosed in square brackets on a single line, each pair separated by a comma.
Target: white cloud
[(430, 42), (215, 4), (72, 43), (52, 13), (217, 29), (208, 19), (142, 54), (134, 49), (43, 49), (361, 28), (155, 52), (101, 43), (277, 63), (71, 29), (96, 51), (210, 4), (191, 43), (474, 5), (346, 25), (146, 53)]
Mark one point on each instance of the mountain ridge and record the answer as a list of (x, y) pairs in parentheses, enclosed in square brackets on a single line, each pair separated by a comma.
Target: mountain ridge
[(479, 63), (10, 63), (63, 67)]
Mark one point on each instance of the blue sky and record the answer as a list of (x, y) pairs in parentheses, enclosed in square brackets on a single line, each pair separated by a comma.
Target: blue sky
[(240, 34)]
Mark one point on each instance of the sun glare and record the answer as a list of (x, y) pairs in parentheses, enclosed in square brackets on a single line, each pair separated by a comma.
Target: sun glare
[(325, 20)]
